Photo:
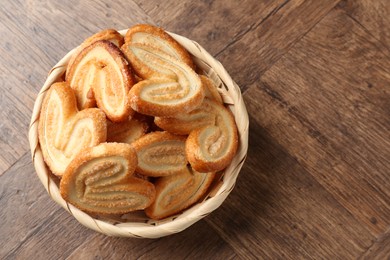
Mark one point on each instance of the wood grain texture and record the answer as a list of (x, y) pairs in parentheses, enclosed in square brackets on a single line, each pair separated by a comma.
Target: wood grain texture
[(203, 243), (315, 75), (372, 15), (214, 24), (277, 210), (262, 46), (380, 249), (31, 223), (16, 99), (330, 110), (52, 29)]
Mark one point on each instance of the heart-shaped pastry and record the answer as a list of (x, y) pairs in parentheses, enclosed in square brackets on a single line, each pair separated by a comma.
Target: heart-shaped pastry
[(160, 154), (100, 180), (64, 131), (177, 192), (171, 85), (108, 35), (211, 148), (158, 39), (101, 73)]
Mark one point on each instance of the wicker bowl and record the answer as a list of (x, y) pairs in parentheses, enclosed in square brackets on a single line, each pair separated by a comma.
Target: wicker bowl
[(133, 225)]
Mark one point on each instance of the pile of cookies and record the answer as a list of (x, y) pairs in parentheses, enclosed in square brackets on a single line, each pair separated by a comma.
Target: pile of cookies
[(134, 127)]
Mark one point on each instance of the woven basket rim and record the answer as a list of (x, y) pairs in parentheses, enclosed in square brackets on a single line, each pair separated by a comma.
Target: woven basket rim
[(232, 97)]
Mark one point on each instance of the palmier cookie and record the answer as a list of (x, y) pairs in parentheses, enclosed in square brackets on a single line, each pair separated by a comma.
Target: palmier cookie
[(127, 131), (211, 91), (157, 38), (100, 180), (171, 86), (64, 131), (101, 72), (211, 148), (177, 192), (160, 154), (109, 35)]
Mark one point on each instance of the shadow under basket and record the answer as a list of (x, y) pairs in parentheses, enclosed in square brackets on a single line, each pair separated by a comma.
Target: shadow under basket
[(137, 224)]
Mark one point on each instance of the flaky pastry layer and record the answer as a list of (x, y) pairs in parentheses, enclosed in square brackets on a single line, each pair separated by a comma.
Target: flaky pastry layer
[(177, 192), (157, 38), (171, 86), (160, 154), (101, 73), (64, 131), (127, 131), (108, 35), (185, 123), (211, 148), (211, 91), (100, 180)]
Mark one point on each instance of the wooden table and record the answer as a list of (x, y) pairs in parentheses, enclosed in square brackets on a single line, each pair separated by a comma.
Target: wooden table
[(315, 77)]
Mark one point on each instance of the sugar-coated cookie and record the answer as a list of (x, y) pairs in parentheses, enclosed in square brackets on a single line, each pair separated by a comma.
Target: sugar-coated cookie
[(158, 39), (160, 154), (64, 131), (108, 35), (100, 180), (177, 192), (101, 73), (212, 148)]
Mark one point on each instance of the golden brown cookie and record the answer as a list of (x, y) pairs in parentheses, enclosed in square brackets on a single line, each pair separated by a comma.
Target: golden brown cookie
[(177, 192), (157, 38), (64, 131), (101, 73), (170, 87), (211, 148), (160, 154), (210, 88), (100, 180), (109, 35)]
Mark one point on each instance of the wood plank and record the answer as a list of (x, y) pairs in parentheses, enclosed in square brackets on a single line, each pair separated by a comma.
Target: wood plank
[(380, 249), (213, 24), (277, 210), (52, 28), (16, 96), (265, 44), (199, 241), (55, 239), (328, 105), (34, 37), (373, 15), (31, 223)]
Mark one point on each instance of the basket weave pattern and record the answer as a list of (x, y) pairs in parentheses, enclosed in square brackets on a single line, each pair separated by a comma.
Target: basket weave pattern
[(232, 97)]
